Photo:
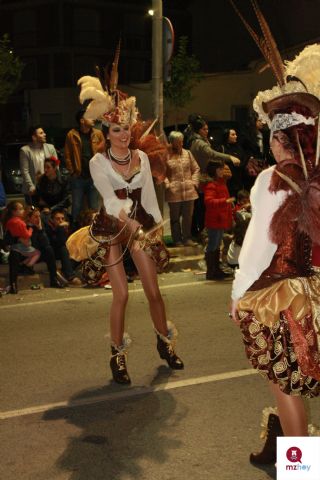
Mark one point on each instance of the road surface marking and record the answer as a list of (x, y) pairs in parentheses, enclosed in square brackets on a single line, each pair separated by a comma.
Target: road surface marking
[(129, 392), (94, 295)]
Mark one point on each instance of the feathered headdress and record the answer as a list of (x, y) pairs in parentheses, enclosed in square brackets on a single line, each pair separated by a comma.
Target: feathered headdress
[(297, 81), (298, 86), (108, 104)]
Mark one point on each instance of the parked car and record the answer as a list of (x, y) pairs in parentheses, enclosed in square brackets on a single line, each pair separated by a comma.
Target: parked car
[(10, 167)]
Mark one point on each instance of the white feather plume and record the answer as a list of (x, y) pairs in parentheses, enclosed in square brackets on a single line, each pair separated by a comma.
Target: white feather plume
[(95, 110), (306, 67), (88, 81), (88, 93)]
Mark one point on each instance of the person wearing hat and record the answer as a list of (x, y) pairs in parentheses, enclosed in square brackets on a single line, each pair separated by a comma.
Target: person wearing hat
[(275, 294), (123, 176)]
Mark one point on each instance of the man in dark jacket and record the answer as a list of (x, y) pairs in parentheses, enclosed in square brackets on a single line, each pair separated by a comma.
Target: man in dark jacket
[(80, 146)]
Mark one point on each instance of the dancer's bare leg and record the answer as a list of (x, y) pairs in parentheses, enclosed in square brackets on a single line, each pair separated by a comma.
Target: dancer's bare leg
[(119, 284), (292, 413), (148, 276)]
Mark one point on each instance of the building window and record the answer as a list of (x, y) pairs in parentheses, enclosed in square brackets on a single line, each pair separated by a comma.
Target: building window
[(24, 28), (86, 27), (240, 114)]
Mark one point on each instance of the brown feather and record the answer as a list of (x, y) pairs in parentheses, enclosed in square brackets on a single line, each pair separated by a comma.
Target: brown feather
[(274, 57), (266, 43)]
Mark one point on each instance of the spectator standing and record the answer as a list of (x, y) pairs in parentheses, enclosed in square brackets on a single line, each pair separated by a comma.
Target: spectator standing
[(218, 217), (203, 153), (231, 146), (81, 144), (32, 157), (181, 185)]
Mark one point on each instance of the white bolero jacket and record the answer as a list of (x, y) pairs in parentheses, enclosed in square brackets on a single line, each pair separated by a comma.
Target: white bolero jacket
[(106, 179), (257, 249)]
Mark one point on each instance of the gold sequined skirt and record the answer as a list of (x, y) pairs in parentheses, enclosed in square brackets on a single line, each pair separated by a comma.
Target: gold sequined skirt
[(281, 332)]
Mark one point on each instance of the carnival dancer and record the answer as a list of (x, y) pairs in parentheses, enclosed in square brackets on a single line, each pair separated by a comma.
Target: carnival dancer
[(123, 177), (276, 289)]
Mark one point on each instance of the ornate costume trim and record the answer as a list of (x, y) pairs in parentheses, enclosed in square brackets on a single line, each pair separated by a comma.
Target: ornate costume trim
[(282, 121)]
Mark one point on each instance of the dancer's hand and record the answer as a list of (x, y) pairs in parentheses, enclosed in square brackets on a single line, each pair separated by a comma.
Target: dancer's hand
[(234, 312), (133, 225), (235, 161)]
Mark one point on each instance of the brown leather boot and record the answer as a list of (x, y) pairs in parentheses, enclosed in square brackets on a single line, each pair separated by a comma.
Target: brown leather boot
[(269, 452), (118, 364), (165, 347)]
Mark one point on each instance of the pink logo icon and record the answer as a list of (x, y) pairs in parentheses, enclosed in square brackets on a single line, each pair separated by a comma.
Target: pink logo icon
[(294, 454)]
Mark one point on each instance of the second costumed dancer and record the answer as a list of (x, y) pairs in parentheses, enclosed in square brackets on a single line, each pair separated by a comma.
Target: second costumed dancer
[(276, 289)]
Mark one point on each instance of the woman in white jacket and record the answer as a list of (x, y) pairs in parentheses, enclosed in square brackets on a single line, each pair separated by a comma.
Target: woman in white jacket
[(123, 178)]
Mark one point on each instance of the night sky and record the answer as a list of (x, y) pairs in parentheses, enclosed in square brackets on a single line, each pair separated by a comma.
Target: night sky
[(222, 43)]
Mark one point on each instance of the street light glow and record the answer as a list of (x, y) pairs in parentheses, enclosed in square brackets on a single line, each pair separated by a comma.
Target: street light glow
[(151, 12)]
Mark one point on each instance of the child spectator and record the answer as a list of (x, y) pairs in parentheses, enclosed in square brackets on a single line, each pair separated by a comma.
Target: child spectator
[(20, 233), (240, 228), (243, 203), (218, 217)]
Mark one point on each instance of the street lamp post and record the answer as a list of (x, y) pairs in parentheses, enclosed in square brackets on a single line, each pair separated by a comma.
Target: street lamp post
[(157, 62)]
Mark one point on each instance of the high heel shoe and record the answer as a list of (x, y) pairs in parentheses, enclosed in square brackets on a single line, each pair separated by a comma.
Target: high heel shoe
[(165, 347), (269, 452), (118, 361)]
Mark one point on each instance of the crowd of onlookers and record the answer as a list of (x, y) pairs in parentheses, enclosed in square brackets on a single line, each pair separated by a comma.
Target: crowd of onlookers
[(207, 189)]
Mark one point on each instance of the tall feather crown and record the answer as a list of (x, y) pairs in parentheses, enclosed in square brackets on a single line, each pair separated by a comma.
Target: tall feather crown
[(298, 81), (107, 103)]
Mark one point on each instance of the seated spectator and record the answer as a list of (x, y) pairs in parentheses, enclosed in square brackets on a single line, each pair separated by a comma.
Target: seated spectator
[(52, 191), (239, 232), (2, 196), (40, 241), (243, 204), (3, 254), (57, 230), (19, 237)]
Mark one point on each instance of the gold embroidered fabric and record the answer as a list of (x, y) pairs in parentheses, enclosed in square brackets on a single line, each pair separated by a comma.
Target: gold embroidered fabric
[(300, 294)]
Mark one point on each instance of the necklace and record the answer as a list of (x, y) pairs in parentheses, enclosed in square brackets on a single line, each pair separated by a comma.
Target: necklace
[(120, 161)]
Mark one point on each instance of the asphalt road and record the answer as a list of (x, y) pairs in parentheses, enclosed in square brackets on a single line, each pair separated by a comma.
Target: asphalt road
[(62, 418)]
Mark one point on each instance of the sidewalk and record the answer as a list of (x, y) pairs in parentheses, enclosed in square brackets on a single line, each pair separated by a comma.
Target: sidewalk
[(182, 259)]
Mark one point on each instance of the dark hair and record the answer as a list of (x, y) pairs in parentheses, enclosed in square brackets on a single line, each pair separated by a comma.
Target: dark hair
[(57, 210), (225, 135), (197, 124), (54, 162), (10, 208), (33, 130), (242, 194), (30, 210), (213, 166), (86, 217), (193, 117), (80, 113), (240, 229)]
